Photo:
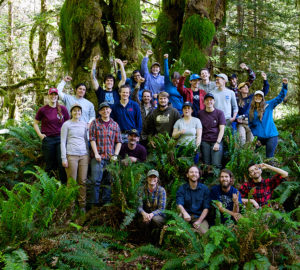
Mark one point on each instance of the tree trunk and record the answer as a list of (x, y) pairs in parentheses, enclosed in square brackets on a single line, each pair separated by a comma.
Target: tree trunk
[(240, 23)]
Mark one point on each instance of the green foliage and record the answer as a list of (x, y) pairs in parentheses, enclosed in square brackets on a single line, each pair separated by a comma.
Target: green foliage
[(79, 252), (19, 151), (27, 208), (192, 57), (16, 260), (198, 30), (240, 156)]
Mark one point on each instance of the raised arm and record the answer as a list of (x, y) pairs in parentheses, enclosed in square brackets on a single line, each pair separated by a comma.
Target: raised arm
[(166, 70), (251, 74), (94, 80), (276, 101), (61, 85), (266, 83), (123, 73), (144, 65), (279, 171)]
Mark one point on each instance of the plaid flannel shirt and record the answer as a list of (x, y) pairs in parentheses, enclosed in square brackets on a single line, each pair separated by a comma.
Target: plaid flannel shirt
[(159, 194), (262, 190), (105, 137)]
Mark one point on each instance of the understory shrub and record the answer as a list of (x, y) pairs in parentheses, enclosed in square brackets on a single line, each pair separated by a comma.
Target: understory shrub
[(27, 210)]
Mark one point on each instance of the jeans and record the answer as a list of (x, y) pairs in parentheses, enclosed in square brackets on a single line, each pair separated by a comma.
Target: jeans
[(99, 176), (52, 156), (211, 157), (78, 169), (271, 144)]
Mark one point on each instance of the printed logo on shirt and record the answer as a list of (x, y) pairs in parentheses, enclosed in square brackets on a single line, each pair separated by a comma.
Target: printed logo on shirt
[(109, 97), (226, 201), (130, 109), (60, 117), (162, 119), (227, 97)]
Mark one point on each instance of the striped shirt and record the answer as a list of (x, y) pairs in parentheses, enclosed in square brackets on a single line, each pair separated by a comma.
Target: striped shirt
[(105, 136)]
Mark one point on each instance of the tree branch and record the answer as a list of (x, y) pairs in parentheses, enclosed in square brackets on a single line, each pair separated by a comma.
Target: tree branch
[(147, 2), (21, 83)]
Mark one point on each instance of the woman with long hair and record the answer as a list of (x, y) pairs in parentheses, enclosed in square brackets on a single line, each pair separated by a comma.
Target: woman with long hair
[(244, 99), (52, 116), (261, 119), (74, 151)]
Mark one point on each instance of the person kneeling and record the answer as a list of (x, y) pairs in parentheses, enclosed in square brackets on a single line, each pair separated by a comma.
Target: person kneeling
[(151, 206), (192, 201)]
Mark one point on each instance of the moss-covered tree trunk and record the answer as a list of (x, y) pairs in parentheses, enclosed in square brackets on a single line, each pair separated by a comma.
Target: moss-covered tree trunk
[(197, 31), (91, 27)]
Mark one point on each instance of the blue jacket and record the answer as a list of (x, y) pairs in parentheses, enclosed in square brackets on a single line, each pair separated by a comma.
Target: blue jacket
[(128, 117), (174, 96), (247, 100), (153, 83), (194, 201), (266, 128)]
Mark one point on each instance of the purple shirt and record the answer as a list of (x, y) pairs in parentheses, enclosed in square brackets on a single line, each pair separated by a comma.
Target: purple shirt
[(139, 152), (50, 120), (210, 124)]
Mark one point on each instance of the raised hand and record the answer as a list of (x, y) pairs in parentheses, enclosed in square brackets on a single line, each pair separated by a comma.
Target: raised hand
[(166, 56), (243, 66), (67, 79), (285, 80), (264, 75), (186, 73), (96, 58), (148, 53)]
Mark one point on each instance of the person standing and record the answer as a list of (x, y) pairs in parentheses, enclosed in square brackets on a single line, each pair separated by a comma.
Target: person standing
[(213, 124), (74, 151), (52, 117), (206, 84), (88, 110), (105, 138)]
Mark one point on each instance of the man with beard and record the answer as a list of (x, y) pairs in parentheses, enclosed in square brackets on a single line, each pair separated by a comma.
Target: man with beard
[(227, 196), (263, 188), (192, 201), (135, 152)]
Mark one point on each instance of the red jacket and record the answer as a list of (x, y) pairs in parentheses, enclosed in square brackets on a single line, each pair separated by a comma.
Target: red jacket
[(187, 93)]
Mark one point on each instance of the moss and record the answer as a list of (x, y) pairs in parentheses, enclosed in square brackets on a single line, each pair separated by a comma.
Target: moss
[(192, 57), (200, 30)]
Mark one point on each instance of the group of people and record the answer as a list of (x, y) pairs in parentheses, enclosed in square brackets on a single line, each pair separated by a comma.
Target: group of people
[(74, 137)]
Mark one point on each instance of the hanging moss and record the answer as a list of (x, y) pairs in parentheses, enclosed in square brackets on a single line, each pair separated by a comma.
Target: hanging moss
[(192, 57), (200, 30)]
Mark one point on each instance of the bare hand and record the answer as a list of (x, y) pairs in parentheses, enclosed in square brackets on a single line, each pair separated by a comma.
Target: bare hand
[(220, 206), (187, 217), (255, 204), (98, 157), (186, 73), (243, 66), (148, 53), (65, 164), (264, 75), (42, 137), (113, 158), (133, 159), (96, 58), (166, 55), (216, 147), (67, 79), (153, 144), (119, 61), (232, 119), (197, 225), (263, 166), (235, 197), (240, 121), (285, 80), (141, 80), (125, 62), (236, 216)]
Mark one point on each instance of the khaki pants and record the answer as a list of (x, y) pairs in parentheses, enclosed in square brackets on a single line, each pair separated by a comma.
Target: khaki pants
[(203, 228), (244, 133), (78, 169)]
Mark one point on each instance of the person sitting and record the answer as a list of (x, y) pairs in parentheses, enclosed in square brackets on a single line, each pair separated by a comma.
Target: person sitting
[(205, 83), (227, 196), (109, 94), (233, 80), (195, 95), (263, 188), (225, 99), (88, 110), (192, 201), (244, 100), (171, 86), (75, 152), (152, 203), (213, 124), (153, 80), (135, 152), (127, 113), (261, 120)]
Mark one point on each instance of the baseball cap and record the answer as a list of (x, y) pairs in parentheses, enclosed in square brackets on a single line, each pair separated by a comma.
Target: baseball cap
[(102, 105), (223, 76), (243, 84), (209, 95), (133, 131), (52, 90), (153, 172), (195, 77), (155, 64), (187, 103), (259, 92), (74, 106), (233, 75)]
